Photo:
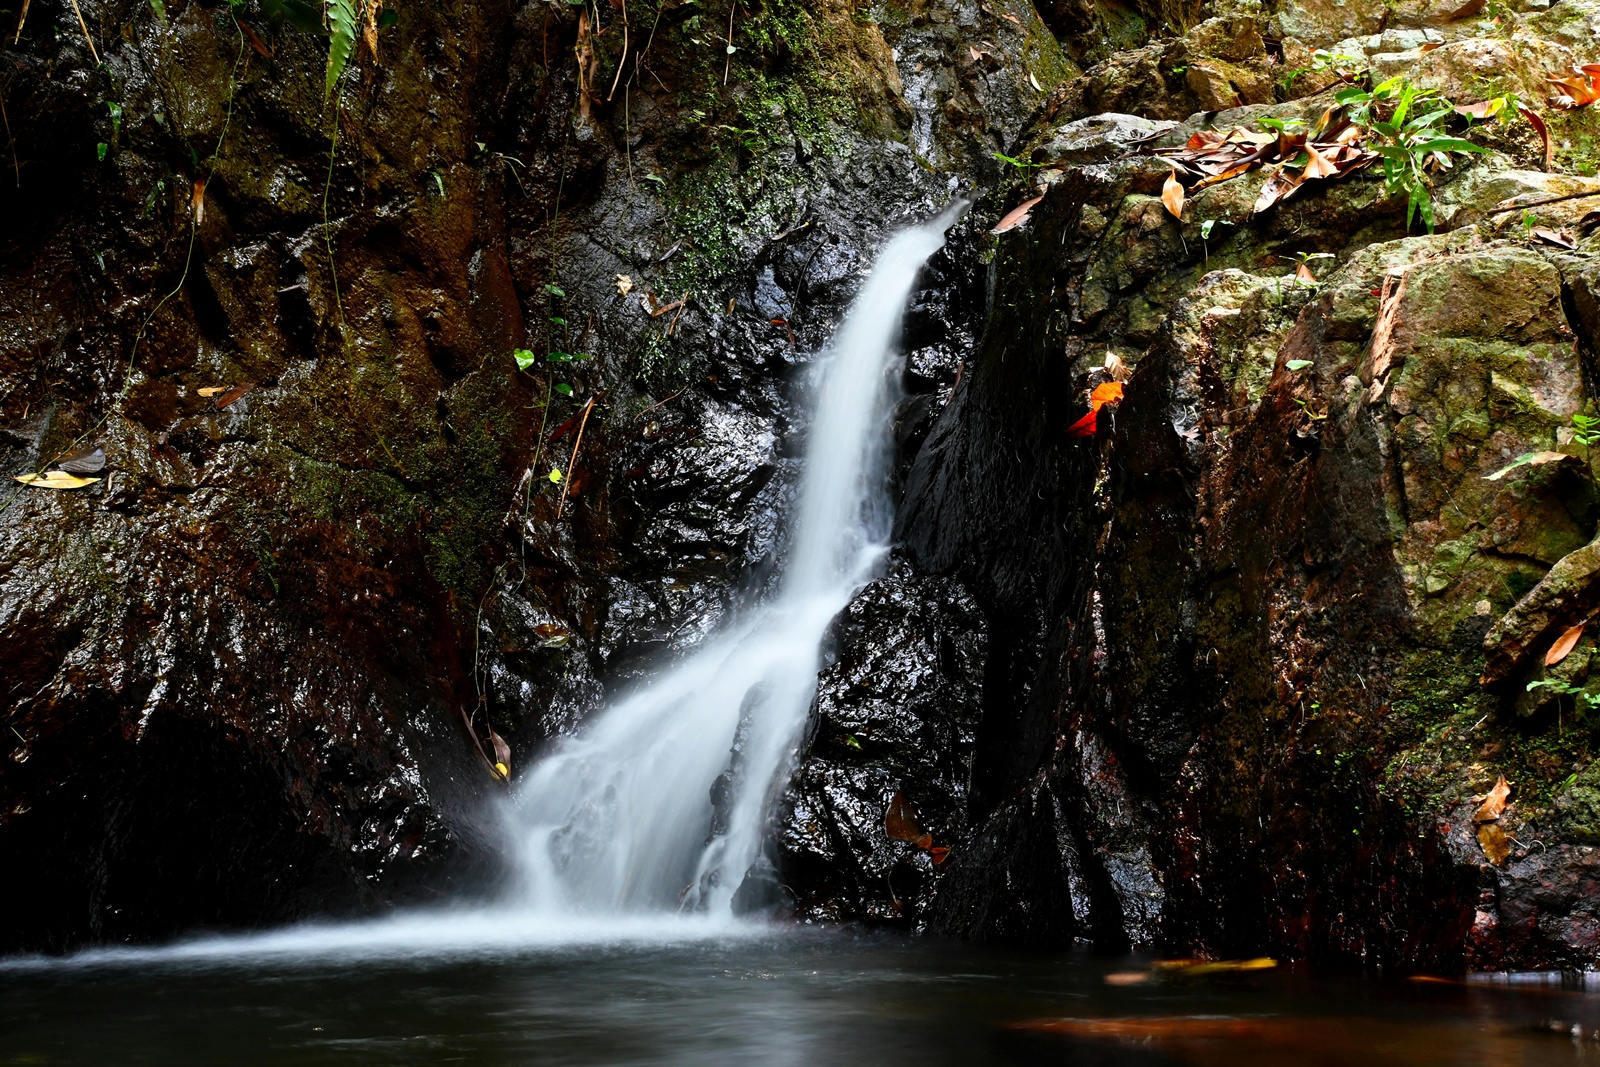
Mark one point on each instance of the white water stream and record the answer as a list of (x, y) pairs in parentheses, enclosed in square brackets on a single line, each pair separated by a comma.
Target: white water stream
[(613, 830), (619, 820)]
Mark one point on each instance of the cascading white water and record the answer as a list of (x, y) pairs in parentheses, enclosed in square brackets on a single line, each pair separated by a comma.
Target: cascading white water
[(619, 819)]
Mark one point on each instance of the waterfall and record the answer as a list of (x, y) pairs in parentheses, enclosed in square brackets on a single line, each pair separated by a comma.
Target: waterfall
[(661, 802)]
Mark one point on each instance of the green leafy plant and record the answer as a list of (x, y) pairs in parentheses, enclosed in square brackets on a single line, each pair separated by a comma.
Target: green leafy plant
[(1406, 120), (1023, 165), (525, 359)]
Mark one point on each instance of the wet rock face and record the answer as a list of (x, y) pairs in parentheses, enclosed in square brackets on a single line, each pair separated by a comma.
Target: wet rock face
[(897, 715)]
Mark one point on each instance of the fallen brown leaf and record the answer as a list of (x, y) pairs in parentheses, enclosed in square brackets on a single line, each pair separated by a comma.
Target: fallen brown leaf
[(502, 755), (1016, 216), (211, 390), (1494, 842), (1562, 648), (232, 396), (197, 202), (1494, 803), (1172, 195), (1559, 238)]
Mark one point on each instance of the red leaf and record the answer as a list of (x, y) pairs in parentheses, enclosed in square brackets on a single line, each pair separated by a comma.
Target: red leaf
[(1085, 426), (900, 821), (1544, 134)]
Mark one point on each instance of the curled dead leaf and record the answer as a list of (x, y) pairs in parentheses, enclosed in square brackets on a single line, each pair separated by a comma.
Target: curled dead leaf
[(1016, 216), (1172, 195), (1563, 647), (1494, 803), (1494, 842), (1318, 165), (502, 754), (624, 285), (211, 390)]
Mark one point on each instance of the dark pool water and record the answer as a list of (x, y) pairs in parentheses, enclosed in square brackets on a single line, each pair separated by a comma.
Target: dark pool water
[(767, 998)]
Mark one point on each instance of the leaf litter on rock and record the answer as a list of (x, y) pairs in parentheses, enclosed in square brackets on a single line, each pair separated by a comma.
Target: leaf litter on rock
[(1563, 647), (1329, 150)]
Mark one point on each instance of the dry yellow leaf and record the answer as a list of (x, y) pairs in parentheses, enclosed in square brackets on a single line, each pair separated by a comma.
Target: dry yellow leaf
[(212, 390), (54, 480)]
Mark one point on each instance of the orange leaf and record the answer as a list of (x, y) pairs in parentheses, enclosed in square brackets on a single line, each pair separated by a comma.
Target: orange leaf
[(255, 40), (1016, 216), (1172, 195), (1303, 272), (1085, 426), (1318, 165), (939, 854), (198, 202), (1105, 393), (1563, 646), (1494, 803)]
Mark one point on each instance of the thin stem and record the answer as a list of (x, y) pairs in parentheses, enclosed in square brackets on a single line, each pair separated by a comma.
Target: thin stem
[(327, 236)]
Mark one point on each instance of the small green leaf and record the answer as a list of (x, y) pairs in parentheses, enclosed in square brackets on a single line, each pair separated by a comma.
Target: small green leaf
[(1297, 364), (161, 11), (554, 290), (555, 475), (100, 151), (850, 740), (387, 17), (563, 388), (558, 320), (525, 359), (1206, 228), (341, 40)]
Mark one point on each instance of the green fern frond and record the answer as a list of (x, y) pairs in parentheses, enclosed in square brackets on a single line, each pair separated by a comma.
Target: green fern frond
[(342, 39)]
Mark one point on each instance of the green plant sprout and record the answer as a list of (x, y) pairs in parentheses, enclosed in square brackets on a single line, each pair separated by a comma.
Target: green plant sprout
[(1411, 137)]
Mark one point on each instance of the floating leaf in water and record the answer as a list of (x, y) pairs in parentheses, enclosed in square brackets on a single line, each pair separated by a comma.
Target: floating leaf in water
[(1563, 646), (1016, 216), (1199, 967), (84, 461), (1172, 195), (54, 480), (1494, 803)]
